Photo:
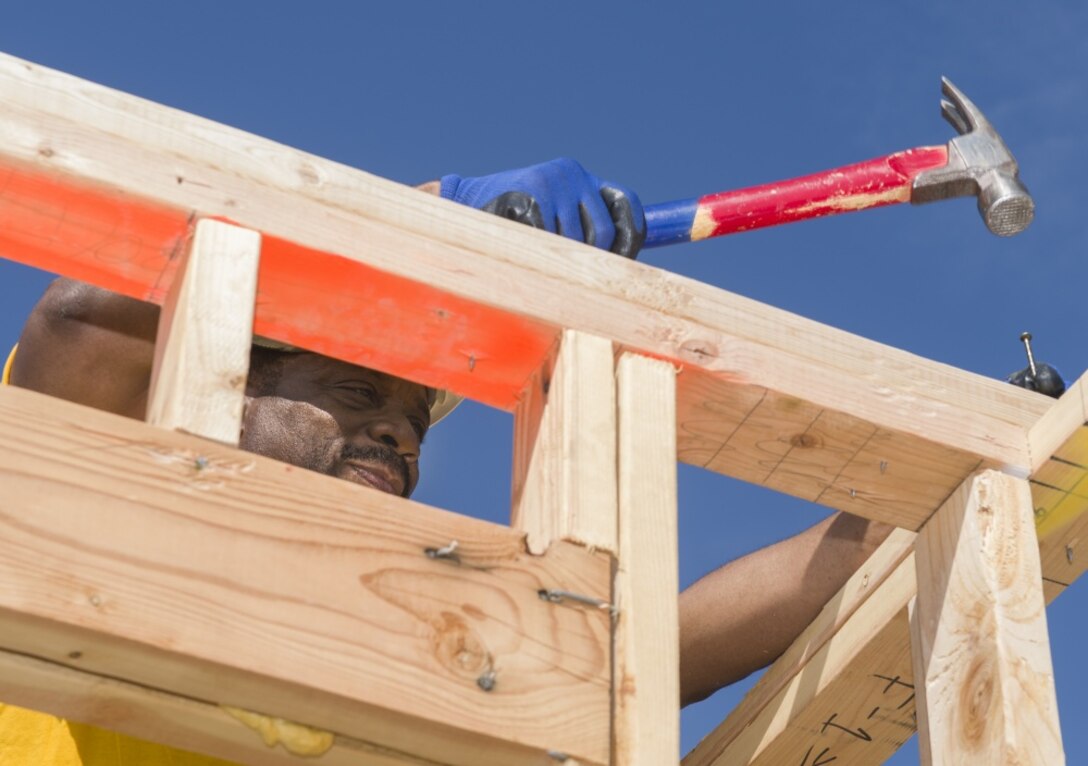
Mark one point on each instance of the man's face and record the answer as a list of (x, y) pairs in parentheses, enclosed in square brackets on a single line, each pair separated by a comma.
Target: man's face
[(346, 421)]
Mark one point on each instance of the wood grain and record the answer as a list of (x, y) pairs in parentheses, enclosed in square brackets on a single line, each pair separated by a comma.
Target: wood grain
[(167, 561), (1061, 527), (198, 380), (1059, 486), (170, 719), (564, 484), (646, 681), (981, 631)]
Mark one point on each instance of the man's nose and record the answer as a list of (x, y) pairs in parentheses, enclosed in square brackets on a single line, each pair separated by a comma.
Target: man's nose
[(396, 432)]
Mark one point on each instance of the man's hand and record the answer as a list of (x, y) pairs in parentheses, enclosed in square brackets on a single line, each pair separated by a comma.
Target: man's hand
[(561, 197)]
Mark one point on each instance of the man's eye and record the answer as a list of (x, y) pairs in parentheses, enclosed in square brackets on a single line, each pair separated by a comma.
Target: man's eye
[(365, 392), (420, 429)]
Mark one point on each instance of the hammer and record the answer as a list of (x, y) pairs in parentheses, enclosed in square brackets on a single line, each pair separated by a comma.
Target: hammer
[(976, 162)]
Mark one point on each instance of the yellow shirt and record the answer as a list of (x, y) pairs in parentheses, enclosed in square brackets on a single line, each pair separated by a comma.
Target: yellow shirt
[(7, 366), (28, 738)]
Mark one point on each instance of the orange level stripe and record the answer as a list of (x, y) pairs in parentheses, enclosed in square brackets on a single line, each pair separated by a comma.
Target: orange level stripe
[(319, 300)]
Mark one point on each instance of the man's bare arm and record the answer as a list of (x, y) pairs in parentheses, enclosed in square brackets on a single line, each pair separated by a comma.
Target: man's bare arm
[(89, 346), (742, 616)]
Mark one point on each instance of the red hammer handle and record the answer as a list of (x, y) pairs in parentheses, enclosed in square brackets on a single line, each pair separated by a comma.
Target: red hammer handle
[(873, 183)]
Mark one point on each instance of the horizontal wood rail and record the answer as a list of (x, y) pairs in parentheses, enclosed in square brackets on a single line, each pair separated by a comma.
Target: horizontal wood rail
[(190, 568), (103, 186)]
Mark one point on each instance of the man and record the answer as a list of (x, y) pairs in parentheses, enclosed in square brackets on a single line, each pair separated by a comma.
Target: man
[(94, 347)]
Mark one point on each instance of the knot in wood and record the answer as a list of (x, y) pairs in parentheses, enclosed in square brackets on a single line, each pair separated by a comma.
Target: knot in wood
[(458, 647), (806, 441), (976, 701)]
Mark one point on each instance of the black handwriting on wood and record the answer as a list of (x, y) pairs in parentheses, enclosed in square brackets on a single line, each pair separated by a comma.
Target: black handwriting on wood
[(821, 757)]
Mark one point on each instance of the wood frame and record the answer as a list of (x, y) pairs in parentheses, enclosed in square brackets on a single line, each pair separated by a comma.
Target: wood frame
[(798, 692), (130, 553), (104, 186), (108, 188)]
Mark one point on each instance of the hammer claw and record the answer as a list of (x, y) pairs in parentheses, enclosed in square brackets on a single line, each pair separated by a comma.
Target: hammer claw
[(954, 117), (971, 117)]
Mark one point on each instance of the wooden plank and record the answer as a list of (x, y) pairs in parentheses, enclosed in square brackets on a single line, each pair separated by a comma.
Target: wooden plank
[(981, 631), (842, 691), (646, 681), (564, 485), (198, 381), (169, 561), (1059, 486), (830, 458), (101, 185), (1049, 435), (170, 719)]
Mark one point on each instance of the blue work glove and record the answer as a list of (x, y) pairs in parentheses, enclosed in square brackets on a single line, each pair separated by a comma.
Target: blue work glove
[(561, 197)]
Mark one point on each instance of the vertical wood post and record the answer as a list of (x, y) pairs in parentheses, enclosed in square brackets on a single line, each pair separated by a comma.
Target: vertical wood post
[(646, 669), (564, 483), (595, 463), (979, 626), (198, 381)]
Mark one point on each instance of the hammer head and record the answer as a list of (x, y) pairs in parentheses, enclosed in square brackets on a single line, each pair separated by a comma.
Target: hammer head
[(979, 164)]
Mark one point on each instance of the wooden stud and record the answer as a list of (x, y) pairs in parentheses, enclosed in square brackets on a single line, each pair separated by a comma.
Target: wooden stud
[(198, 381), (565, 448), (646, 682), (981, 631)]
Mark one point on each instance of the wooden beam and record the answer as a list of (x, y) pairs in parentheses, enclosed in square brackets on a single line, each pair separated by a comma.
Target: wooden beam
[(167, 561), (198, 381), (646, 680), (101, 186), (564, 485), (1059, 486), (981, 632), (170, 719), (842, 692)]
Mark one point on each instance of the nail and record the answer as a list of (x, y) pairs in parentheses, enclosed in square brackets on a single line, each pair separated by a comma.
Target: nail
[(1025, 337), (486, 681)]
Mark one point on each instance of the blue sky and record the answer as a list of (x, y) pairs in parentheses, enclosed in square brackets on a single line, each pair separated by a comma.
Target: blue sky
[(675, 100)]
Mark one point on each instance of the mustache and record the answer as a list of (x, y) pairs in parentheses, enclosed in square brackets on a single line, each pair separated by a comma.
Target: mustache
[(382, 455)]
